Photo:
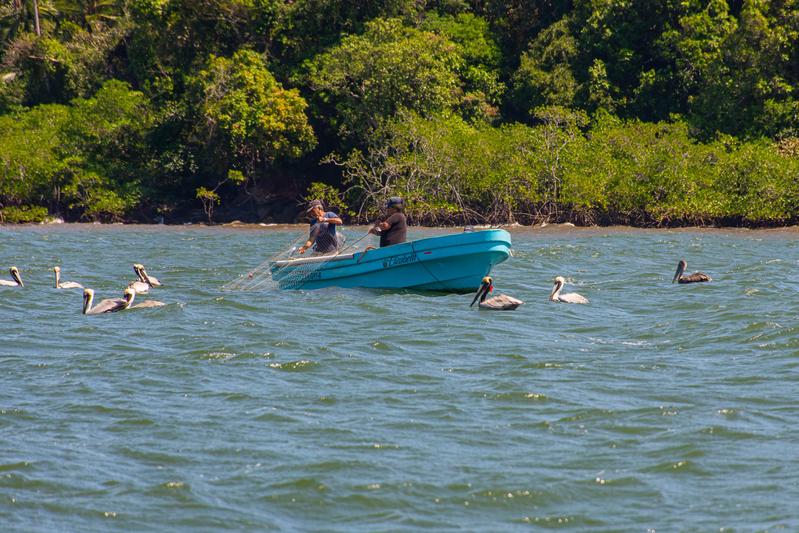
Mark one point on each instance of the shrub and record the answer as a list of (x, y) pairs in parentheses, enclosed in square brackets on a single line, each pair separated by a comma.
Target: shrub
[(25, 214)]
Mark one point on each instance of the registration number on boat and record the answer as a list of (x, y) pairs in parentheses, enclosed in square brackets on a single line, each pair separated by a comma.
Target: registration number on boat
[(399, 260)]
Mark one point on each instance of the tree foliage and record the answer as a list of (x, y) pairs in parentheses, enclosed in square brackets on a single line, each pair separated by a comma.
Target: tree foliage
[(369, 77), (246, 117), (656, 112)]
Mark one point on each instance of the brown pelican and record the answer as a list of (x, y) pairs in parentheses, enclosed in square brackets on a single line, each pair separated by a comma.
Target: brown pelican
[(142, 283), (696, 277), (65, 284), (138, 268), (17, 279), (570, 298), (495, 303), (111, 305)]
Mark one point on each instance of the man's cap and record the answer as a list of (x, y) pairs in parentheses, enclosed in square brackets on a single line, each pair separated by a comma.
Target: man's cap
[(394, 201), (312, 204)]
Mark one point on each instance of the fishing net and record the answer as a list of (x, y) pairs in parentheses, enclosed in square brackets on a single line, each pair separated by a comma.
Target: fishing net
[(289, 269)]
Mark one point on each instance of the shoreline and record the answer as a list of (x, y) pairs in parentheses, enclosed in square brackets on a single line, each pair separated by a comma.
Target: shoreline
[(512, 228)]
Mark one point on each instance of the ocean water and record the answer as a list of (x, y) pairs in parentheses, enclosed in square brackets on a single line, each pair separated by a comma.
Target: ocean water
[(656, 407)]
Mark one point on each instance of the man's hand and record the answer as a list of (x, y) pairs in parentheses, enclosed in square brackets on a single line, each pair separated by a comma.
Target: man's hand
[(302, 250)]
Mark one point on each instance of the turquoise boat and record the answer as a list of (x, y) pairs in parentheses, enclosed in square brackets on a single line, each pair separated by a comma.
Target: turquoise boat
[(448, 263)]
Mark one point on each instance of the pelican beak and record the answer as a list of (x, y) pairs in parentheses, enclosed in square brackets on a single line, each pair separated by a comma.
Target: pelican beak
[(555, 289), (17, 278), (480, 291)]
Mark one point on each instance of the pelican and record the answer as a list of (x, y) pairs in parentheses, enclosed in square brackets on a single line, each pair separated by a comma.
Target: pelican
[(570, 298), (17, 279), (66, 284), (142, 284), (111, 305), (138, 268), (696, 277), (495, 303)]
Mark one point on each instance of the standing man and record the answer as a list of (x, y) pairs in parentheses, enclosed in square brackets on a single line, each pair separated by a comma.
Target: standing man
[(323, 229), (394, 229)]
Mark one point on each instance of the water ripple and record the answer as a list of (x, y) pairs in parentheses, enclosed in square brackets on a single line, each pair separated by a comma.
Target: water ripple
[(655, 407)]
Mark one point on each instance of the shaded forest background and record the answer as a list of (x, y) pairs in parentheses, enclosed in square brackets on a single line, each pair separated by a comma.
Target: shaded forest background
[(644, 112)]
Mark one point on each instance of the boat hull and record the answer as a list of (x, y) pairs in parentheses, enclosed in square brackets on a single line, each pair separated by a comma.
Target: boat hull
[(448, 263)]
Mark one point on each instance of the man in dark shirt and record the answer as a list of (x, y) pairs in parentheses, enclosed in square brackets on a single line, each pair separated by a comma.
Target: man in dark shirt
[(394, 229), (323, 229)]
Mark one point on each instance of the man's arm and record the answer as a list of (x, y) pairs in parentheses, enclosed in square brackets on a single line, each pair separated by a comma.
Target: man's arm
[(388, 223), (305, 246), (311, 239), (336, 221)]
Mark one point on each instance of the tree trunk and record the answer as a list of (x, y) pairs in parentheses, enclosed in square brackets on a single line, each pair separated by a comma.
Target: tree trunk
[(36, 18)]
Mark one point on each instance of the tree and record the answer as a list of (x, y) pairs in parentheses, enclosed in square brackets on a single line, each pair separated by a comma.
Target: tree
[(545, 75), (246, 119), (88, 14), (369, 77), (749, 79), (210, 198), (308, 27), (481, 61)]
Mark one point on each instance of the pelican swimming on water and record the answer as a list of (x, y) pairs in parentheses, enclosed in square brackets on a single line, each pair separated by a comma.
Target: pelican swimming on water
[(696, 277), (66, 284), (142, 283), (569, 298), (138, 268), (501, 302), (17, 279), (110, 305)]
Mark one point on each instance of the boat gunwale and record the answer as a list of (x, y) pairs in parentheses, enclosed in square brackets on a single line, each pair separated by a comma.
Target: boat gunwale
[(286, 263)]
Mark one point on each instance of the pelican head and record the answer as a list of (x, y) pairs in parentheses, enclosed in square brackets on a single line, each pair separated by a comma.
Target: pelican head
[(560, 281), (88, 298), (130, 294), (486, 286), (15, 274), (681, 266), (56, 269), (137, 269)]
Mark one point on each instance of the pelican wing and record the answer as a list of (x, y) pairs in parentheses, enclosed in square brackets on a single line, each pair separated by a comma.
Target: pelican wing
[(696, 277), (110, 305), (70, 285), (139, 286), (148, 303), (501, 302), (573, 298), (6, 283)]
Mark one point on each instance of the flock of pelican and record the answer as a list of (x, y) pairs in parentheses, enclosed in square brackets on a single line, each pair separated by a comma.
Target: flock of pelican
[(141, 285), (144, 282), (504, 302)]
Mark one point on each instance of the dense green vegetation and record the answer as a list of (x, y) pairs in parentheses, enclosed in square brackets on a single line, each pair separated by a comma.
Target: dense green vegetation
[(653, 112)]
